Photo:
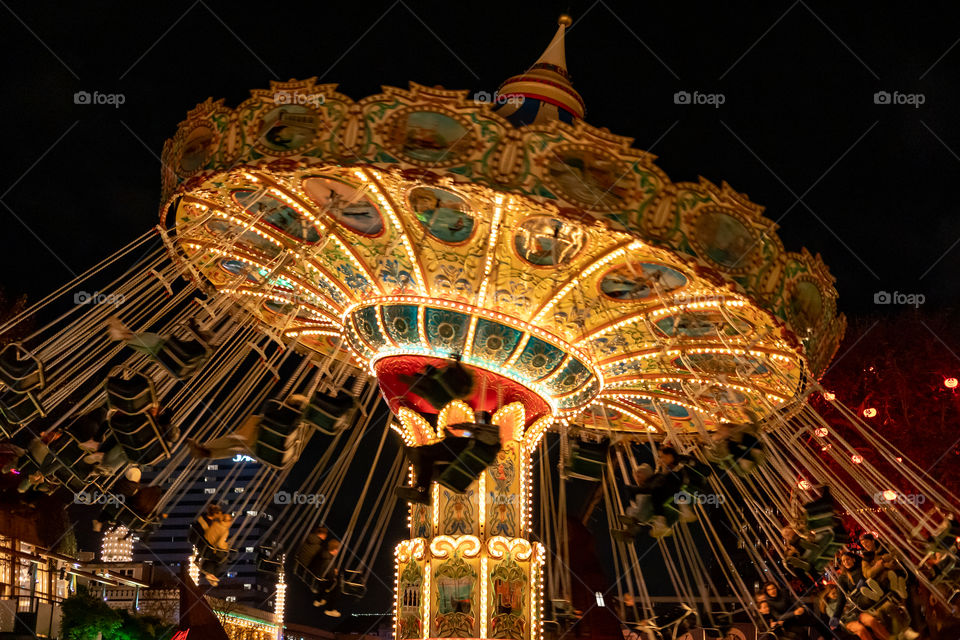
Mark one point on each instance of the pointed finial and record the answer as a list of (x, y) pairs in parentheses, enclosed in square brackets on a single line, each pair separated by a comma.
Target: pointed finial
[(545, 92)]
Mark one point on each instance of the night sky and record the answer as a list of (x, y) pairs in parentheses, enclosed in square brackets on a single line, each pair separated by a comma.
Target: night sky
[(875, 182), (869, 186)]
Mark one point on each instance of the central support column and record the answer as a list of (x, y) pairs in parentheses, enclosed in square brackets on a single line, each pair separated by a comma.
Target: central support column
[(469, 569)]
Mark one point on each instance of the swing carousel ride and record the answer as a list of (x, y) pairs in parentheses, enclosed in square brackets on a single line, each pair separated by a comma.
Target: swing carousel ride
[(468, 262)]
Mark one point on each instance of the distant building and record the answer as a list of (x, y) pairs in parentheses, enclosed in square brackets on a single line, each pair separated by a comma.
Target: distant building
[(168, 545)]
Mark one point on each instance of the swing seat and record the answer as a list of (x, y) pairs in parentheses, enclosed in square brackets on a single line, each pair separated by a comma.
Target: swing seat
[(279, 434), (563, 610), (130, 395), (182, 357), (353, 584), (70, 470), (17, 409), (205, 552), (945, 536), (267, 561), (467, 467), (140, 437), (329, 414), (20, 370), (439, 387), (309, 579), (587, 460)]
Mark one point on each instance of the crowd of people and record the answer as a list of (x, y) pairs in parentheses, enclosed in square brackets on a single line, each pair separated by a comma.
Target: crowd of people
[(864, 594)]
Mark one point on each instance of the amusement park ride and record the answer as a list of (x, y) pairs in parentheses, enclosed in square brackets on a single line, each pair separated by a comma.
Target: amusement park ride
[(494, 267)]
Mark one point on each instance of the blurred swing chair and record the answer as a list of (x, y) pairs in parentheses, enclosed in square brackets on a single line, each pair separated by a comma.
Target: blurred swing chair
[(586, 460), (440, 386), (22, 373), (479, 454), (181, 357), (829, 536), (330, 414), (279, 436), (131, 399)]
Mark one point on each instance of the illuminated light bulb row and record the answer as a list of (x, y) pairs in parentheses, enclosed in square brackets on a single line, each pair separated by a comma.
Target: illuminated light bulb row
[(567, 288), (705, 304), (249, 225), (396, 592), (407, 440), (280, 603), (491, 249), (640, 394), (425, 602), (397, 225), (484, 603), (527, 507), (435, 494)]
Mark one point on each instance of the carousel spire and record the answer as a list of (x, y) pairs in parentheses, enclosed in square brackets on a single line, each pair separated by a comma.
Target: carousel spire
[(545, 91)]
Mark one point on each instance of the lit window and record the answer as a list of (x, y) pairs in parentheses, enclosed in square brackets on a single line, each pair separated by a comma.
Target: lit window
[(246, 585), (231, 598), (231, 574), (210, 490), (249, 549), (238, 489), (212, 467)]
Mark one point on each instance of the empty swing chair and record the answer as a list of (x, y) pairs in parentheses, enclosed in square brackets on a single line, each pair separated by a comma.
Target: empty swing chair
[(133, 417), (23, 375), (269, 560)]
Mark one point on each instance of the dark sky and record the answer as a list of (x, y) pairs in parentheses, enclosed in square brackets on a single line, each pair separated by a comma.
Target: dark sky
[(799, 119)]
